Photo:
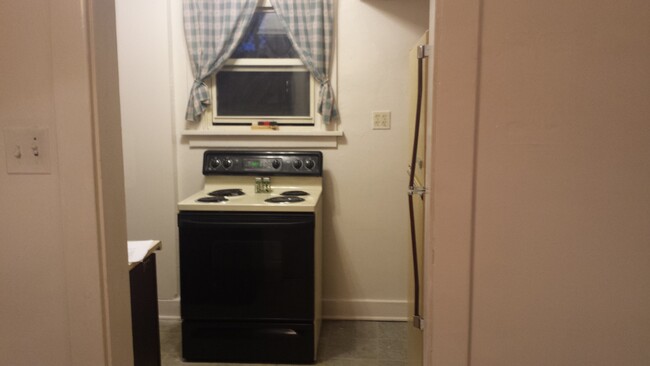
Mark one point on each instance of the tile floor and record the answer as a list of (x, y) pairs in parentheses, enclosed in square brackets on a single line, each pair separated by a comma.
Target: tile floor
[(342, 343)]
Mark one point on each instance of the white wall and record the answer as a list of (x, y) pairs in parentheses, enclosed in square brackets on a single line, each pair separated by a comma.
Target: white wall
[(145, 72), (63, 268), (365, 246), (32, 264), (563, 194), (541, 194)]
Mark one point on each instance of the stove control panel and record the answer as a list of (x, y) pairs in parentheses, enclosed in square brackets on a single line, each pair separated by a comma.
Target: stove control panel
[(292, 163)]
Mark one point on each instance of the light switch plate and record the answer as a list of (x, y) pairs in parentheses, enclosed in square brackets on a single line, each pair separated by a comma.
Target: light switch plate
[(27, 150)]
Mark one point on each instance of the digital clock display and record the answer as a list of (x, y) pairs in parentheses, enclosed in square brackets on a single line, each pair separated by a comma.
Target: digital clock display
[(252, 164)]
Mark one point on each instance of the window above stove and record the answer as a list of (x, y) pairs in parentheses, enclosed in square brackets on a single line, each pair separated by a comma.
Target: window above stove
[(264, 82)]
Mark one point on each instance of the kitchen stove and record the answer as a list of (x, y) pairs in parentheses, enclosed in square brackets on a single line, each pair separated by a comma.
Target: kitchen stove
[(231, 175), (250, 258)]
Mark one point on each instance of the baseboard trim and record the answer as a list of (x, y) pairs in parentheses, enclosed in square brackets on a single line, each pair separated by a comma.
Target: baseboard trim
[(169, 308), (335, 309), (365, 309)]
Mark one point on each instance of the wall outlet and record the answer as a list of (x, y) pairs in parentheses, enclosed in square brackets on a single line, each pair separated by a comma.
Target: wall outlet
[(381, 120)]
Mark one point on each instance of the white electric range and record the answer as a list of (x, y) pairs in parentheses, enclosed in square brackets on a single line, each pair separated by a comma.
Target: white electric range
[(250, 258), (232, 182)]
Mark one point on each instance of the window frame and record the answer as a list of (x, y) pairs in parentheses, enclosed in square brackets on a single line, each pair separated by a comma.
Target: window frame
[(206, 135), (313, 122), (266, 65)]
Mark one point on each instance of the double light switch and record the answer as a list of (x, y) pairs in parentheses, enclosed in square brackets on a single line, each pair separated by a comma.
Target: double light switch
[(27, 150)]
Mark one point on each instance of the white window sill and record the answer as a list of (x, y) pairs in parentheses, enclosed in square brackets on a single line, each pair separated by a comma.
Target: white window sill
[(262, 138)]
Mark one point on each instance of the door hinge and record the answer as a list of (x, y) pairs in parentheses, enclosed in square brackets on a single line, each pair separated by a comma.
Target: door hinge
[(424, 50), (418, 322), (420, 191)]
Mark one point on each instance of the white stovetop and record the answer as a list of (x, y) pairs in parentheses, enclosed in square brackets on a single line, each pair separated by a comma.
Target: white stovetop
[(252, 201)]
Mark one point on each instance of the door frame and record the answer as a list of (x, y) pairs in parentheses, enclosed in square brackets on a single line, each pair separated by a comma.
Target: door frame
[(451, 157)]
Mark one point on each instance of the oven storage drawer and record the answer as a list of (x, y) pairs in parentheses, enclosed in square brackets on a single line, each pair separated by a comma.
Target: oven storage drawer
[(248, 342), (247, 266)]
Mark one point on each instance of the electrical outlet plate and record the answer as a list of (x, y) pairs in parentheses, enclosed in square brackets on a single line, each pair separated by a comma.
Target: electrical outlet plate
[(27, 150), (381, 120)]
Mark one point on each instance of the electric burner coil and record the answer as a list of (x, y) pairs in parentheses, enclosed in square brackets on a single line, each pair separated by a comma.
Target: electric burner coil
[(230, 192), (284, 199)]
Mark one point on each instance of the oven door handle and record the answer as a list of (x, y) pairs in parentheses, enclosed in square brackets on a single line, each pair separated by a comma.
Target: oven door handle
[(239, 224)]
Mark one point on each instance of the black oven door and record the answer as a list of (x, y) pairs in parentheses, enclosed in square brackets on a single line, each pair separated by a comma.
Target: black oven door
[(247, 266)]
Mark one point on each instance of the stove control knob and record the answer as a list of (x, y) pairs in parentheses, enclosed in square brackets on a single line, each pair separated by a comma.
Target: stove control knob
[(297, 164), (309, 164), (276, 164), (214, 163), (227, 163)]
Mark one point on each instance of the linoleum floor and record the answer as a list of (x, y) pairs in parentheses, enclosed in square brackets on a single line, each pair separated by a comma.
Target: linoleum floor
[(342, 343)]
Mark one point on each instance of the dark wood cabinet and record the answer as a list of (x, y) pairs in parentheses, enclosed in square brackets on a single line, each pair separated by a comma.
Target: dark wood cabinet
[(144, 313)]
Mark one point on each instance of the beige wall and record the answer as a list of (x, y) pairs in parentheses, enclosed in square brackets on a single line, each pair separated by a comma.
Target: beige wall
[(366, 248), (62, 234), (365, 206), (559, 221), (145, 70), (32, 264)]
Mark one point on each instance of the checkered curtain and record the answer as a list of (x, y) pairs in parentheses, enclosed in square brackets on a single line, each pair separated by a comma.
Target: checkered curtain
[(213, 29), (309, 24)]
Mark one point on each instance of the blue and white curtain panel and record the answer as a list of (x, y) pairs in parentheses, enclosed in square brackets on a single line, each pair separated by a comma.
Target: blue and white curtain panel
[(213, 28)]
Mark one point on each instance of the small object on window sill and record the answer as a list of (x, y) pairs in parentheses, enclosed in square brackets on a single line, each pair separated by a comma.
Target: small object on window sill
[(264, 127), (267, 123)]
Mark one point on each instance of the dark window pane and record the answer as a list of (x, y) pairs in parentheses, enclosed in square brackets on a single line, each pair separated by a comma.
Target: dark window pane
[(265, 38), (258, 93)]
